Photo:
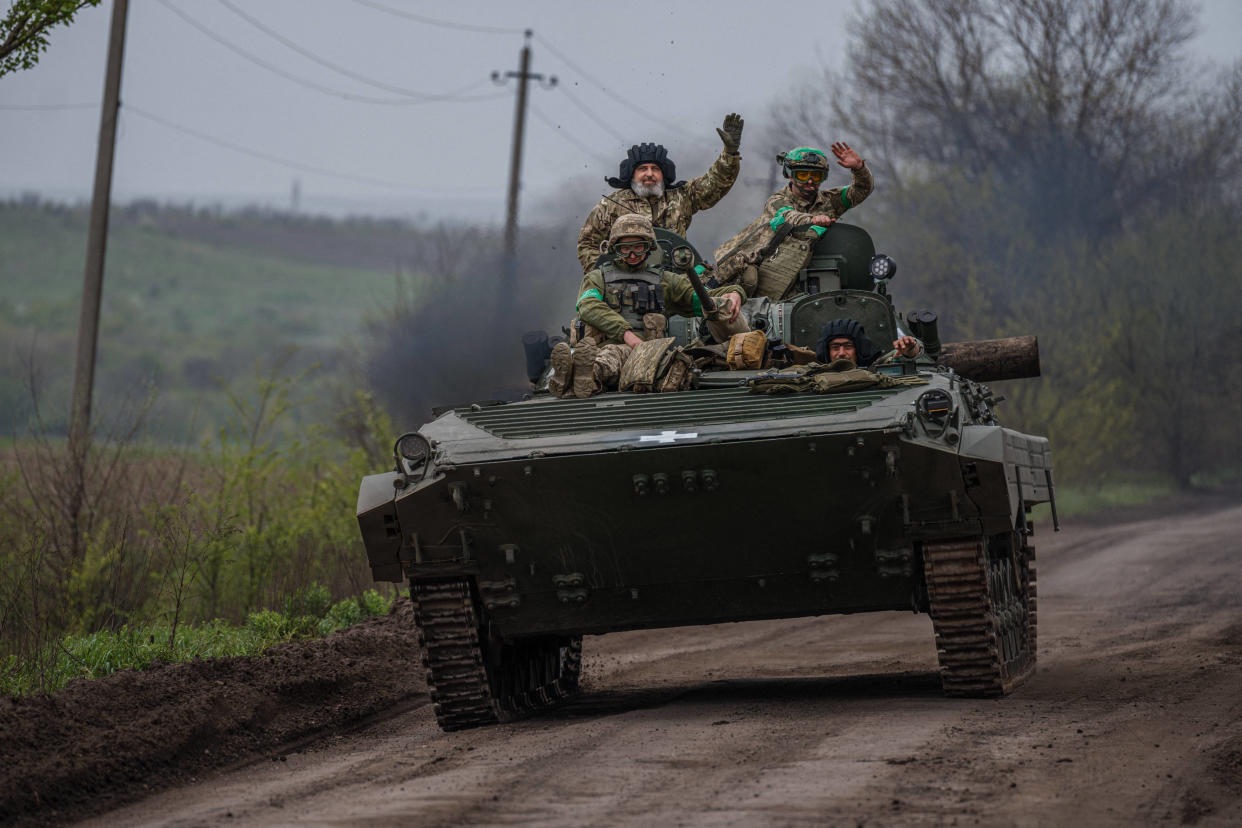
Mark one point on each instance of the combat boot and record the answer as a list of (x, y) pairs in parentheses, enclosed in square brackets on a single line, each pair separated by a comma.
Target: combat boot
[(584, 382), (560, 384)]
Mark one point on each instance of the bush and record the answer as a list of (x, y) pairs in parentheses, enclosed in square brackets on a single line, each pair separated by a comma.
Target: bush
[(139, 648)]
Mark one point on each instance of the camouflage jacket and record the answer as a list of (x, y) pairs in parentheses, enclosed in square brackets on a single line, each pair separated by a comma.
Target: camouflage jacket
[(614, 298), (787, 207), (671, 211)]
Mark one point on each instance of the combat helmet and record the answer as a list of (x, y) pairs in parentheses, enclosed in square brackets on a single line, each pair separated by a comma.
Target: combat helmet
[(803, 158), (646, 154), (631, 224)]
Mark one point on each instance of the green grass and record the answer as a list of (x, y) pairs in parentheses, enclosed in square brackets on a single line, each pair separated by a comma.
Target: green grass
[(1075, 501), (178, 286), (138, 648)]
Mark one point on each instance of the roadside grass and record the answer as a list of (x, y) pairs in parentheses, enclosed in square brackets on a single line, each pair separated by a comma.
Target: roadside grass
[(1080, 500), (308, 613)]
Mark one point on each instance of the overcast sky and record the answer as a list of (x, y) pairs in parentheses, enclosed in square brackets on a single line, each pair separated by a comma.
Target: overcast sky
[(208, 85)]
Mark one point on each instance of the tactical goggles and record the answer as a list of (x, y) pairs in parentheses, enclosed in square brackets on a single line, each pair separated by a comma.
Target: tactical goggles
[(814, 176), (626, 248)]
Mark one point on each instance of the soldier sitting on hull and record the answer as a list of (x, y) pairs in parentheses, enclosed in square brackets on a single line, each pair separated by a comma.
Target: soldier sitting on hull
[(751, 257), (845, 339), (648, 185), (622, 304)]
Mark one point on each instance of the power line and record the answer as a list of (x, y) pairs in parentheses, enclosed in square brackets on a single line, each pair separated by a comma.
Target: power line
[(604, 125), (568, 136), (349, 73), (432, 21), (312, 84), (630, 105), (296, 165)]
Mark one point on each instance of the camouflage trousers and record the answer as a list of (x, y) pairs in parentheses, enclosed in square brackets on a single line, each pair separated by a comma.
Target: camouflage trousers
[(584, 369), (609, 360)]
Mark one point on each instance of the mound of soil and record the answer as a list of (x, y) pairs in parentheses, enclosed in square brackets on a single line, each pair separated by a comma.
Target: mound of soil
[(97, 744)]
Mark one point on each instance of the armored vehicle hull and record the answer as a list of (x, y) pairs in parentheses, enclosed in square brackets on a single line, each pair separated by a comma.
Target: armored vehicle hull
[(523, 526)]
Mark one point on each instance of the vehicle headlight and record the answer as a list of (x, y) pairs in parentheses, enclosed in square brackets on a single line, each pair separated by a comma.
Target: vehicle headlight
[(412, 448)]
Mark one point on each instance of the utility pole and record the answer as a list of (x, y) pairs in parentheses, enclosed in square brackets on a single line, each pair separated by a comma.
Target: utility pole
[(97, 240), (515, 162)]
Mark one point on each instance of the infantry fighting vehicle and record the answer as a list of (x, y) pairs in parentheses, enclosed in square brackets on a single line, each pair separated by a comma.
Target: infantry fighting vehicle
[(522, 526)]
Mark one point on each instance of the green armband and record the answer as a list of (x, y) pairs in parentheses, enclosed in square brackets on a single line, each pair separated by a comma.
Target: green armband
[(845, 197), (818, 231), (779, 218), (696, 304), (590, 293)]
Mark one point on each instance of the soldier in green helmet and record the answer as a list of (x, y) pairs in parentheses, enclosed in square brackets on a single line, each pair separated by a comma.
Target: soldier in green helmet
[(801, 202), (622, 304)]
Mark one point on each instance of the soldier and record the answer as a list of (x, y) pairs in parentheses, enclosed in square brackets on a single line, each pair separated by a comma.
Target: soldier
[(799, 203), (846, 339), (622, 304), (648, 185)]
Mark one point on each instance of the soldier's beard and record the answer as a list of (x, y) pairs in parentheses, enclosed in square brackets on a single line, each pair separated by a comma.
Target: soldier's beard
[(647, 190)]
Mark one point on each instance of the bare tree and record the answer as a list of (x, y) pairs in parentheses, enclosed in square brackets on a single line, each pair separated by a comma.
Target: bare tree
[(1086, 105)]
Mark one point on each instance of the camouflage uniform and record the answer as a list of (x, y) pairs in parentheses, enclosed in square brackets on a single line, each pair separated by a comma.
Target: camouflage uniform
[(615, 298), (672, 211), (787, 207)]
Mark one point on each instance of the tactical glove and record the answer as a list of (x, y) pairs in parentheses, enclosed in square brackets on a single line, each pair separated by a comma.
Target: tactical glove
[(731, 132)]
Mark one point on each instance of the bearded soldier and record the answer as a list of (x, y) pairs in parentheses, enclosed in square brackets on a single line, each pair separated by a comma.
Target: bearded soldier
[(648, 185), (763, 255), (622, 304)]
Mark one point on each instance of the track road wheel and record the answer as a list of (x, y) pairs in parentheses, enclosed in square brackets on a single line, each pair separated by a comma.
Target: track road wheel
[(474, 677), (982, 597)]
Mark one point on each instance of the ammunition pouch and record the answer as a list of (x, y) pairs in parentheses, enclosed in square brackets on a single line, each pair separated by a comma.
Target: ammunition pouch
[(655, 326), (747, 351)]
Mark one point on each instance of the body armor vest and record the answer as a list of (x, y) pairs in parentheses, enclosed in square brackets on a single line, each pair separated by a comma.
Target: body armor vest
[(633, 293)]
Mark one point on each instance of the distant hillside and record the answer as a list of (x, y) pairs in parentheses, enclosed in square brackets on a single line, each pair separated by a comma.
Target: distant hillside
[(190, 299)]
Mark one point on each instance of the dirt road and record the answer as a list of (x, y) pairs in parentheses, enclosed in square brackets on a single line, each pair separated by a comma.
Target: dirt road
[(1134, 717)]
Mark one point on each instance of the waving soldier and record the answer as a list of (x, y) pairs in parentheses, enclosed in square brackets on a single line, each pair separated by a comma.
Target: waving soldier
[(648, 186), (772, 239)]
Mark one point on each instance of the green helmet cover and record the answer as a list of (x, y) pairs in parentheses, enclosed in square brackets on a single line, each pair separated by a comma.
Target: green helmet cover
[(803, 158)]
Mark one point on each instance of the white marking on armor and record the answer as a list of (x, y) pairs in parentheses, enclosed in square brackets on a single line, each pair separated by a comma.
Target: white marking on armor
[(668, 437)]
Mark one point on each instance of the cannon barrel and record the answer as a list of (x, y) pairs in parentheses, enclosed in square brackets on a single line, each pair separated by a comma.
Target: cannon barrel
[(989, 360)]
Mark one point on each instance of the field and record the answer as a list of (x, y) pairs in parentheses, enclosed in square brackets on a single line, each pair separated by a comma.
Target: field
[(192, 302)]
